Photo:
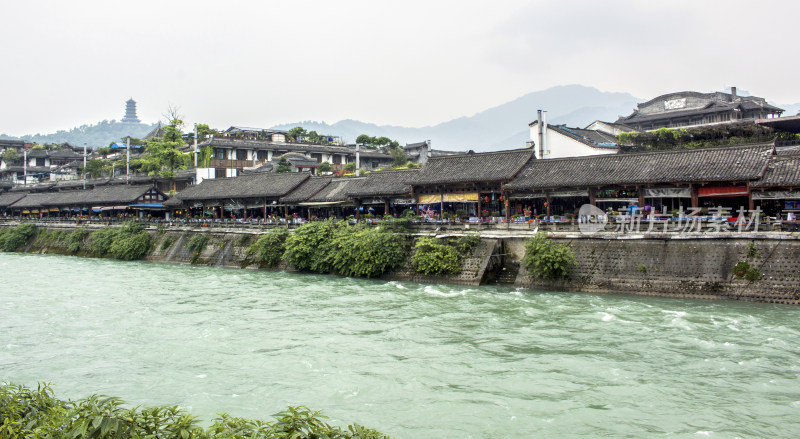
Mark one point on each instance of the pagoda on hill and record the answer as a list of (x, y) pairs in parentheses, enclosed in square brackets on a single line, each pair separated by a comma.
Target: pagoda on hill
[(130, 112)]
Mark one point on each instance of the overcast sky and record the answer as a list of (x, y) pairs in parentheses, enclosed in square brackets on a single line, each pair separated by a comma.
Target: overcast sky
[(412, 63)]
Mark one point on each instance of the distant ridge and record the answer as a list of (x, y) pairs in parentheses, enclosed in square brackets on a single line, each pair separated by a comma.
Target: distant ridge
[(502, 127), (97, 136)]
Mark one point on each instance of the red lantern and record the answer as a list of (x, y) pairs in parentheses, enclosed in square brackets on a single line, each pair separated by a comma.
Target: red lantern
[(486, 199), (501, 198)]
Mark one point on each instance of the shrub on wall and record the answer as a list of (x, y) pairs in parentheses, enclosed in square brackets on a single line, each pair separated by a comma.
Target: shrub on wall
[(547, 260), (75, 240), (128, 242), (16, 237), (434, 256), (367, 252), (268, 248), (309, 248)]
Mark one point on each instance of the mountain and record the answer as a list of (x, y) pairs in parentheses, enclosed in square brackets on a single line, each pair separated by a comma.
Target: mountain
[(791, 109), (502, 127), (96, 136)]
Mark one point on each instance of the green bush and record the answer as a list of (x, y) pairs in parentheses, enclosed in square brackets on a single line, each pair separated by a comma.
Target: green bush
[(16, 237), (269, 248), (465, 244), (743, 269), (198, 243), (27, 413), (75, 240), (310, 247), (131, 246), (547, 260), (127, 242), (365, 252), (101, 241), (167, 242), (433, 256)]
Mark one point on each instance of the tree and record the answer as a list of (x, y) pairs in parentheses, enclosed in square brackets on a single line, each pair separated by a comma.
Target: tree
[(296, 134), (97, 167), (375, 143), (399, 157), (163, 156), (324, 167), (283, 165), (12, 156)]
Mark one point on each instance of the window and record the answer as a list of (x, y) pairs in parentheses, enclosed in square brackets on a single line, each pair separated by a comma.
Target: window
[(219, 153), (219, 172), (261, 155), (40, 162), (241, 154)]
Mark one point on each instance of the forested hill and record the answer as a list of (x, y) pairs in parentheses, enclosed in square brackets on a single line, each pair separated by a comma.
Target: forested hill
[(98, 135)]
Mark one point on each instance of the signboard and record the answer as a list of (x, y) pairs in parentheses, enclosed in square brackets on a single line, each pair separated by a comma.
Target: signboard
[(776, 195), (675, 104), (461, 198), (429, 199)]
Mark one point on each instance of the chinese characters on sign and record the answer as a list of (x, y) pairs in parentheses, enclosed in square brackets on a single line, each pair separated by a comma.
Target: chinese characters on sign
[(718, 219)]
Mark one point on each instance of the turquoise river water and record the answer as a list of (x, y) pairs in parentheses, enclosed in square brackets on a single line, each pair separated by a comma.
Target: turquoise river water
[(411, 360)]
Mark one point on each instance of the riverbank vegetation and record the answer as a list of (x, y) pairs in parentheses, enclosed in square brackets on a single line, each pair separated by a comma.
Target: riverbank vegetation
[(547, 260), (442, 256), (342, 248), (37, 413)]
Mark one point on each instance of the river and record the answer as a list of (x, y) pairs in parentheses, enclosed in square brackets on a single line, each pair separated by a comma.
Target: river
[(411, 360)]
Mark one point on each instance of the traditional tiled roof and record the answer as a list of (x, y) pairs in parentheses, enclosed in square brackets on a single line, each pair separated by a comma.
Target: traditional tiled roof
[(739, 163), (379, 183), (337, 190), (36, 200), (103, 195), (593, 138), (256, 185), (9, 198), (477, 167), (782, 171), (306, 190), (222, 142)]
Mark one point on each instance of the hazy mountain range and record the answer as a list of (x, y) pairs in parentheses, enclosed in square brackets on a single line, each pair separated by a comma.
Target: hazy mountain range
[(502, 127)]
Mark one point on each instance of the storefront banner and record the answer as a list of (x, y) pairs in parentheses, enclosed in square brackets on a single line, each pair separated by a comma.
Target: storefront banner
[(429, 199), (525, 196), (617, 200), (776, 195), (668, 192), (461, 198)]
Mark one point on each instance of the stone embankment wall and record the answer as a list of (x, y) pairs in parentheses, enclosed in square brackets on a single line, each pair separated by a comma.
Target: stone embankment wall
[(667, 265), (678, 266)]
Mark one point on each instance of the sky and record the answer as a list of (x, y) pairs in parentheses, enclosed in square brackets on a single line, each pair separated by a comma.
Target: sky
[(409, 63)]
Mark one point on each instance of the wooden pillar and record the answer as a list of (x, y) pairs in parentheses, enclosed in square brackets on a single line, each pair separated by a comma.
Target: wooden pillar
[(386, 206), (441, 204), (265, 209), (479, 206), (750, 203), (592, 197), (358, 209), (640, 191), (244, 215), (221, 210), (695, 197), (286, 212)]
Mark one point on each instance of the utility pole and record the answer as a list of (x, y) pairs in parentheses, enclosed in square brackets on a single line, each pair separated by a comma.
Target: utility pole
[(128, 161), (25, 165), (358, 160), (195, 145), (84, 166)]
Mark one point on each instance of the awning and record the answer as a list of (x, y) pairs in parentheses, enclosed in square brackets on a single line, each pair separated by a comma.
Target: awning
[(322, 203), (429, 199), (668, 192), (776, 195), (554, 194), (145, 206), (722, 191), (107, 208), (617, 200)]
